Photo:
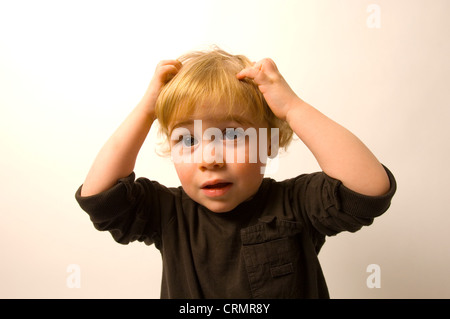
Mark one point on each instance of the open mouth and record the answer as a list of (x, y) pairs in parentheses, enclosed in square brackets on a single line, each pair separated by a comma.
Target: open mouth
[(217, 186), (216, 189)]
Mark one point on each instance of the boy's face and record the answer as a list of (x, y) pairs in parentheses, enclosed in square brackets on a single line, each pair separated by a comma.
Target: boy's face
[(216, 163)]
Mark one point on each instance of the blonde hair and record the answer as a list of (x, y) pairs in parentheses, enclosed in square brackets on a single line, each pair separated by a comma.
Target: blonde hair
[(207, 84)]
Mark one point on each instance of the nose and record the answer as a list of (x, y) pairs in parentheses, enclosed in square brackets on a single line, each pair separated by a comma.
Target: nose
[(210, 166), (212, 157)]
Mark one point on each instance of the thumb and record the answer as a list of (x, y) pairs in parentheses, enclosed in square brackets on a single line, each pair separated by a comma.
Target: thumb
[(246, 73)]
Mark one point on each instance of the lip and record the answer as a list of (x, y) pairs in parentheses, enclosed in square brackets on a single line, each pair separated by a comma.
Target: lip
[(214, 182), (222, 188)]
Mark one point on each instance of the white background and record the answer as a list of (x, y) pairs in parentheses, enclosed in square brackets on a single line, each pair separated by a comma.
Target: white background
[(70, 71)]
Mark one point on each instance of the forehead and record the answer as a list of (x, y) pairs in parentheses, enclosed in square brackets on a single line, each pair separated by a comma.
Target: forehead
[(218, 115)]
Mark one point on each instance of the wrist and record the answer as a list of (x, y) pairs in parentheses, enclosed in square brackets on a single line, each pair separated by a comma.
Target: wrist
[(147, 104), (295, 110)]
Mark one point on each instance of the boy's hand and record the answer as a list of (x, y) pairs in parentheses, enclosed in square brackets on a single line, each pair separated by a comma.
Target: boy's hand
[(118, 156), (272, 85), (339, 153), (165, 71)]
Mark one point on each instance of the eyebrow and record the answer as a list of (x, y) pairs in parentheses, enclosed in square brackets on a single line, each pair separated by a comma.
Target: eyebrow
[(237, 119)]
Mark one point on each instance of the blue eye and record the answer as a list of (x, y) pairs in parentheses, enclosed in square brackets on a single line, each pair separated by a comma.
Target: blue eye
[(189, 141), (232, 134)]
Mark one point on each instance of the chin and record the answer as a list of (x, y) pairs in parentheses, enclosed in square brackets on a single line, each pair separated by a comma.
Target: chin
[(220, 208)]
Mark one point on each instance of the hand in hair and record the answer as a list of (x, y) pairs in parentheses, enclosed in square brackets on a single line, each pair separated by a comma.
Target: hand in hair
[(339, 153), (164, 72), (278, 94)]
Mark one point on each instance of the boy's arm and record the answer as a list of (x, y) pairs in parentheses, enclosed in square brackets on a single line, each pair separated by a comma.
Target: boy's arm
[(118, 156), (340, 154)]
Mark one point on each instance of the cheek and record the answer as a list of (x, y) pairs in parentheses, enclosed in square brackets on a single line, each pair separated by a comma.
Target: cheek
[(249, 172), (185, 173)]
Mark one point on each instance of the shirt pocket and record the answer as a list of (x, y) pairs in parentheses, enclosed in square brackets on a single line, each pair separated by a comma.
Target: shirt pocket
[(272, 255)]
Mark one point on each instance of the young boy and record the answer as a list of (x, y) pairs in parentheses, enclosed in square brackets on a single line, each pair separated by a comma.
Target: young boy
[(228, 232)]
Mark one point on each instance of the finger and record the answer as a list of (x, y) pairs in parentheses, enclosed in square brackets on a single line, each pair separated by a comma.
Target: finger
[(178, 64), (269, 65), (174, 63), (242, 74), (169, 71), (250, 72)]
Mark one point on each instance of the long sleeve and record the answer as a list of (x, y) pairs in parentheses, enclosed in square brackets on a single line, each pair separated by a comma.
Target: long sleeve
[(130, 210), (332, 208)]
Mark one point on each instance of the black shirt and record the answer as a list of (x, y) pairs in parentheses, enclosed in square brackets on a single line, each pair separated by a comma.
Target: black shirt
[(265, 248)]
